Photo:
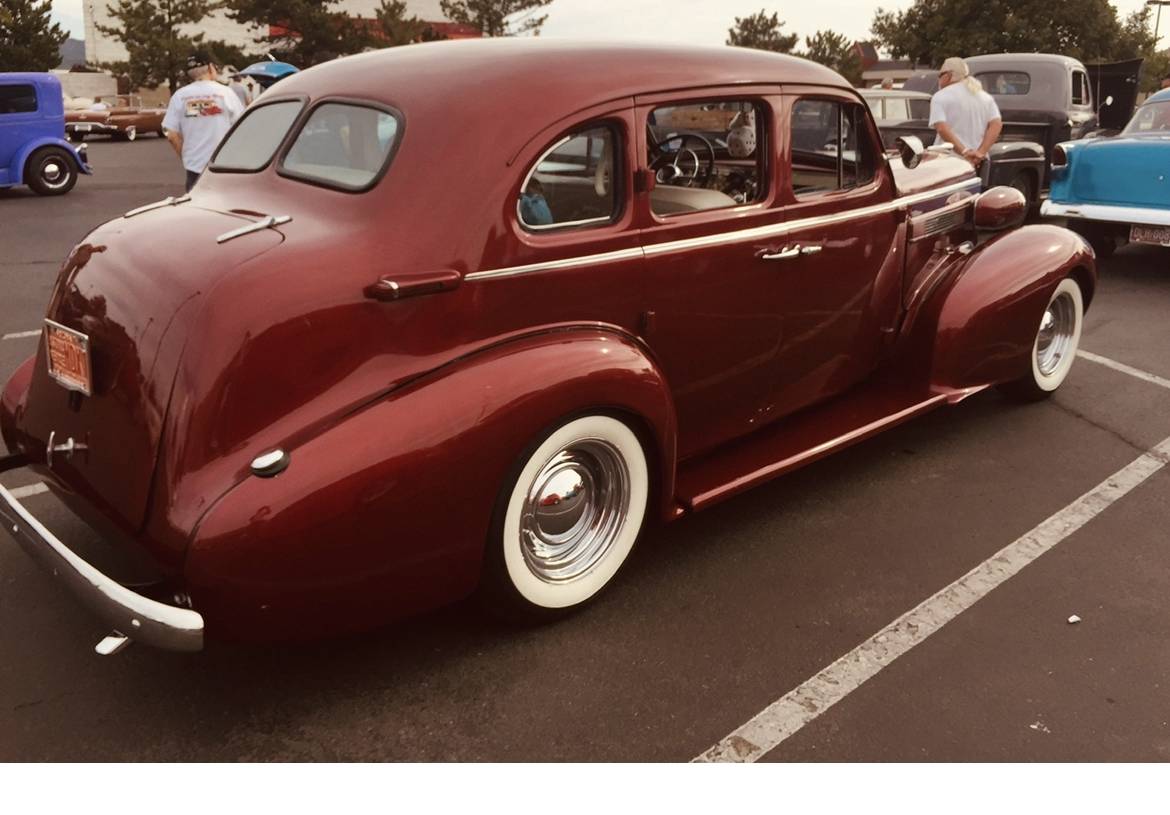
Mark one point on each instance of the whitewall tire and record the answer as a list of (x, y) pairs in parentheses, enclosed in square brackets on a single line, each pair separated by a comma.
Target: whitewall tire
[(1055, 347), (568, 519)]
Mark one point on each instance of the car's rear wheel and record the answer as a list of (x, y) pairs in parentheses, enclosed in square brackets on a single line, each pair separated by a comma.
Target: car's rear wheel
[(129, 134), (50, 171), (566, 520), (1055, 346)]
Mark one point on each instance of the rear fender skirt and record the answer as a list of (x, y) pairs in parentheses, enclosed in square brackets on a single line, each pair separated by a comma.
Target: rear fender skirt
[(386, 513), (990, 307)]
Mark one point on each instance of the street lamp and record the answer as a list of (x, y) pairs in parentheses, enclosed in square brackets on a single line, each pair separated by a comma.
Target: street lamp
[(1158, 18)]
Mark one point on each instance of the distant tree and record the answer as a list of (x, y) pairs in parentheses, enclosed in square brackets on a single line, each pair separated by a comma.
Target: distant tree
[(150, 31), (932, 30), (497, 18), (29, 40), (761, 30), (395, 28), (304, 32), (224, 53), (836, 51)]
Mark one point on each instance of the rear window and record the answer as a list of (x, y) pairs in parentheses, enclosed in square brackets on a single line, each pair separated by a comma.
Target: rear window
[(254, 141), (1005, 83), (17, 99), (342, 145)]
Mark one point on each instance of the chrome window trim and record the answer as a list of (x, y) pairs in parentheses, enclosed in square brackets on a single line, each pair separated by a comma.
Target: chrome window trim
[(606, 219), (971, 185)]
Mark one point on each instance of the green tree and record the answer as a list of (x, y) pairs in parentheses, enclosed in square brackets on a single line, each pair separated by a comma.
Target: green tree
[(307, 32), (761, 30), (395, 28), (29, 40), (497, 18), (151, 31), (932, 30), (836, 51)]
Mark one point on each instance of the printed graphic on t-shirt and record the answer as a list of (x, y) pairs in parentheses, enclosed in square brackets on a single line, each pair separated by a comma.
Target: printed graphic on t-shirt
[(203, 106)]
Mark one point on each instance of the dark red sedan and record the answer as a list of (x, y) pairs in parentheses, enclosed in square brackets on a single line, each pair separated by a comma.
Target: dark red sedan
[(465, 317)]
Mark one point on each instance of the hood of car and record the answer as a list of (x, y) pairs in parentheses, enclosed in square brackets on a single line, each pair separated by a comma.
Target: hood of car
[(1127, 170)]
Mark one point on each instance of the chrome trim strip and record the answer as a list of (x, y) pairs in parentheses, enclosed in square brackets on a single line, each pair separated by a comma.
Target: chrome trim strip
[(1143, 216), (554, 265), (264, 223), (938, 221), (131, 614), (169, 201), (768, 231)]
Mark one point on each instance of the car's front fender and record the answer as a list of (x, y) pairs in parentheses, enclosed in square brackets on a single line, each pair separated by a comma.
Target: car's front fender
[(387, 512), (21, 158), (989, 313)]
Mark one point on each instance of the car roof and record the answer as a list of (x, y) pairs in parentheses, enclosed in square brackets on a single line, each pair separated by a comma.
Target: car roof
[(880, 93), (31, 77), (546, 76), (1160, 96), (1024, 59)]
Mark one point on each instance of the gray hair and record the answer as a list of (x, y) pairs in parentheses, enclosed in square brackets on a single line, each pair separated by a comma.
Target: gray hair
[(199, 72)]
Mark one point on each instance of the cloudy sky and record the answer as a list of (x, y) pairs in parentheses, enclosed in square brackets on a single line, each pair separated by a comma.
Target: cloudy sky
[(693, 21)]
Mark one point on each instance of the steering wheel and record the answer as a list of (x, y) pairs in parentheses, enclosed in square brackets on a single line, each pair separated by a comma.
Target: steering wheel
[(671, 166)]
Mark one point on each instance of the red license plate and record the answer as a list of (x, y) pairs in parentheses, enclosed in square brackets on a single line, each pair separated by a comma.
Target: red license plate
[(1158, 235), (67, 352)]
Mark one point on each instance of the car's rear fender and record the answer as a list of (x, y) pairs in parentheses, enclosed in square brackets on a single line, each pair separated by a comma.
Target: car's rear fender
[(386, 512), (989, 310)]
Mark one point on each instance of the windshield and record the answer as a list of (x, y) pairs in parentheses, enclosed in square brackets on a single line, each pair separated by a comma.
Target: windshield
[(1151, 118)]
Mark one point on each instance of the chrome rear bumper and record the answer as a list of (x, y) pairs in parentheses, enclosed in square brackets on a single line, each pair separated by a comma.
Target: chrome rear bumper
[(131, 615)]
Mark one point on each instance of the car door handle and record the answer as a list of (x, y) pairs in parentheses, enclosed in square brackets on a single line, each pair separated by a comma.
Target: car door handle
[(388, 289), (792, 252)]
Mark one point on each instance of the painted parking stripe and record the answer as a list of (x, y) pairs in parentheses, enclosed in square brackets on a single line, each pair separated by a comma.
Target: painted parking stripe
[(29, 491), (20, 335), (1125, 369), (787, 715)]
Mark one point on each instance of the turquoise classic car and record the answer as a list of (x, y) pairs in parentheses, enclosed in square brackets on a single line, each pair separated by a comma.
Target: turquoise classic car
[(1117, 189)]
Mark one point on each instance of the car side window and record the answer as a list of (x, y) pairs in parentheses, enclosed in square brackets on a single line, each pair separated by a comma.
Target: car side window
[(831, 148), (573, 183), (706, 155), (1080, 88), (17, 99)]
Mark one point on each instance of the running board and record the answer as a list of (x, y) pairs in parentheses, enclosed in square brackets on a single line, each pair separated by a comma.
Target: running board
[(801, 439)]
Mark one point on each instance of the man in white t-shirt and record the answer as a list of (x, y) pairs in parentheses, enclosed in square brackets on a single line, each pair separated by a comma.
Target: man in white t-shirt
[(965, 115), (199, 115)]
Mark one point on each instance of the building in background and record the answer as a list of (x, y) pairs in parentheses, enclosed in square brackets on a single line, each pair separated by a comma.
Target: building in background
[(100, 48), (874, 69)]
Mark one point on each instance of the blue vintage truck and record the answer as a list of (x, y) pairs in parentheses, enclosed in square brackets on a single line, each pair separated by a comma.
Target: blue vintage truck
[(33, 149)]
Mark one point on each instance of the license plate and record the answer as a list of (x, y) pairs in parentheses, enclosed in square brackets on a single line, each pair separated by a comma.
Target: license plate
[(67, 352), (1158, 235)]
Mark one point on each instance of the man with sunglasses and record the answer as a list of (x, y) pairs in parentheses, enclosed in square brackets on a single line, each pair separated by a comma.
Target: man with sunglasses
[(964, 115)]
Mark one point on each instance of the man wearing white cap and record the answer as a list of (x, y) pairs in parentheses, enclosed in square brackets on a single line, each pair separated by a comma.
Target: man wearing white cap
[(965, 115)]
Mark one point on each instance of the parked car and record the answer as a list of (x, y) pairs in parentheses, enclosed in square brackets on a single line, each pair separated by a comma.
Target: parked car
[(125, 118), (1113, 190), (901, 113), (33, 149), (1047, 99), (381, 363)]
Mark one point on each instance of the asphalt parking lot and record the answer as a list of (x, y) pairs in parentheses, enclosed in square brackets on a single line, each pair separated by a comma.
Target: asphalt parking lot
[(716, 617)]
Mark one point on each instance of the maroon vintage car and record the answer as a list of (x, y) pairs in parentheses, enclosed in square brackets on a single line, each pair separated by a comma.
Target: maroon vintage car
[(122, 117), (464, 317)]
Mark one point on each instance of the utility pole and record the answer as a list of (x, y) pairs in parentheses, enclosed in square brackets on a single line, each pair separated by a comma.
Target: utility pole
[(1158, 17)]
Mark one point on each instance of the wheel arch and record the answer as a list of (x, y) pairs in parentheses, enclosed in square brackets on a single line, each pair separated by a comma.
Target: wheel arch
[(25, 154)]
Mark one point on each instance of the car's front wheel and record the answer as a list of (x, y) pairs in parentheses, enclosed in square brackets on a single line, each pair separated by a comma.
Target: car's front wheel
[(50, 171), (1055, 346), (567, 519)]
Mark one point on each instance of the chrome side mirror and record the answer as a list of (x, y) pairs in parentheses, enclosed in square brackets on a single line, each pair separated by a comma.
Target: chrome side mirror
[(910, 149)]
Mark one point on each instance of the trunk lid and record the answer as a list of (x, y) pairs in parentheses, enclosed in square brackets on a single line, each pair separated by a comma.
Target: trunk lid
[(133, 288)]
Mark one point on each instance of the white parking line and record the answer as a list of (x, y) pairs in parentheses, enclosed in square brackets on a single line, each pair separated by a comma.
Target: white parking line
[(791, 712), (29, 491), (20, 335), (1123, 368)]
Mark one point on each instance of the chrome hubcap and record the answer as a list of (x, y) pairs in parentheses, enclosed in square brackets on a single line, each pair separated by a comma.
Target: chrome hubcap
[(574, 510), (1056, 332), (52, 172)]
